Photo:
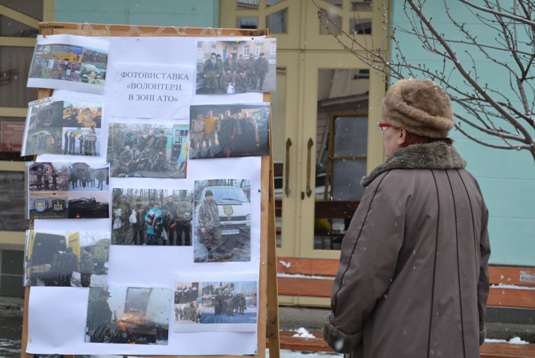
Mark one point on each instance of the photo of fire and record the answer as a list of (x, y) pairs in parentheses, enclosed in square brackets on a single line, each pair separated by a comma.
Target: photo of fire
[(128, 315)]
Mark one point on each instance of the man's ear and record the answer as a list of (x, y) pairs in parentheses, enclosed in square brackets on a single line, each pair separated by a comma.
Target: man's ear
[(402, 136)]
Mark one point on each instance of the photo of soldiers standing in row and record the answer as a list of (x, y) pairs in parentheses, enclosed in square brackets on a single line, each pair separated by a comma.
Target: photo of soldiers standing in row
[(140, 218), (236, 68), (83, 177), (225, 131), (147, 150), (80, 142)]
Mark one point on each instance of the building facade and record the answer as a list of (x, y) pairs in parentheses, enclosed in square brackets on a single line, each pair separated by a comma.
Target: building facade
[(325, 111)]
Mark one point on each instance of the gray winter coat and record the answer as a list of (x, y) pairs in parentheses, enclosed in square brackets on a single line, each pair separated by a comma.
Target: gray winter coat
[(413, 278)]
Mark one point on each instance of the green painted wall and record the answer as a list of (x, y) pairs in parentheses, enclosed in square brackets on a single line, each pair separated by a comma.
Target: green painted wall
[(191, 13), (507, 178)]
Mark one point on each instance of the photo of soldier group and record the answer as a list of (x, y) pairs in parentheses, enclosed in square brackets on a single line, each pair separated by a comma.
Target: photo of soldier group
[(229, 130), (58, 258), (72, 63), (228, 67), (222, 221), (233, 302), (151, 217), (68, 190), (148, 150), (89, 177), (67, 126), (128, 315)]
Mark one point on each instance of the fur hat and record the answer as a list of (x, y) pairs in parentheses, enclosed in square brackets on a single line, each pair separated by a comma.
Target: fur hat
[(420, 106)]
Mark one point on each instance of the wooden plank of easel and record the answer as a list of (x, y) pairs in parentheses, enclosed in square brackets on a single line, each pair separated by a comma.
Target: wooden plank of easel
[(272, 324), (263, 284), (113, 30)]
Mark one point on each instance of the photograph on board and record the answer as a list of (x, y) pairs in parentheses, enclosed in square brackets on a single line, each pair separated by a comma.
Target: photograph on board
[(89, 177), (128, 315), (67, 190), (152, 217), (148, 150), (66, 258), (222, 221), (207, 304), (63, 125), (229, 67), (229, 130), (69, 62)]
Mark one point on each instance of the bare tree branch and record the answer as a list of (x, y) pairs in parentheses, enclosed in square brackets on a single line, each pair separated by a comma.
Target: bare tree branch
[(489, 10), (493, 109)]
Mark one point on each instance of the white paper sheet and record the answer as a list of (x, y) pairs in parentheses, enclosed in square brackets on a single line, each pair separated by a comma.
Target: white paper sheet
[(150, 90)]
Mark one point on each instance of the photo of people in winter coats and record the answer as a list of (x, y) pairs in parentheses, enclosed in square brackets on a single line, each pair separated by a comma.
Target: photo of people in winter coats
[(152, 217), (222, 221), (229, 130), (128, 315), (229, 67), (214, 303), (67, 258), (66, 190), (63, 125), (148, 150)]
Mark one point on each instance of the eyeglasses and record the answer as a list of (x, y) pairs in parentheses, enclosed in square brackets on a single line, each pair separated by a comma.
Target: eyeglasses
[(383, 126)]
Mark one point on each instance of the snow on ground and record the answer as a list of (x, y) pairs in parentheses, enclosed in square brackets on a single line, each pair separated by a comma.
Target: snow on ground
[(514, 340)]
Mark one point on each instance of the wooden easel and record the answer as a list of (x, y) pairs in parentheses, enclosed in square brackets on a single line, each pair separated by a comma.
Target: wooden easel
[(268, 324)]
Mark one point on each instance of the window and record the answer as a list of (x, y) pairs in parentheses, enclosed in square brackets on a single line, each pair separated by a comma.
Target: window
[(330, 23), (277, 23), (361, 26), (361, 74), (361, 5), (272, 2), (247, 4), (247, 22), (273, 50)]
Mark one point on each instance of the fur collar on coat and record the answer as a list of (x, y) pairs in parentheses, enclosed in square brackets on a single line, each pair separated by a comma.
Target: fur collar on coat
[(434, 155)]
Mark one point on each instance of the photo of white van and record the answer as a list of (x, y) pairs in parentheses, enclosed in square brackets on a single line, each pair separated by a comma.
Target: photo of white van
[(225, 237)]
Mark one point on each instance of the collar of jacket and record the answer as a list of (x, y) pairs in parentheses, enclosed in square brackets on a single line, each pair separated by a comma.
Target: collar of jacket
[(434, 155)]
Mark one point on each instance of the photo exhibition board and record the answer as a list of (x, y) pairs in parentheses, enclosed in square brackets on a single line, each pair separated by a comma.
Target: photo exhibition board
[(151, 83)]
